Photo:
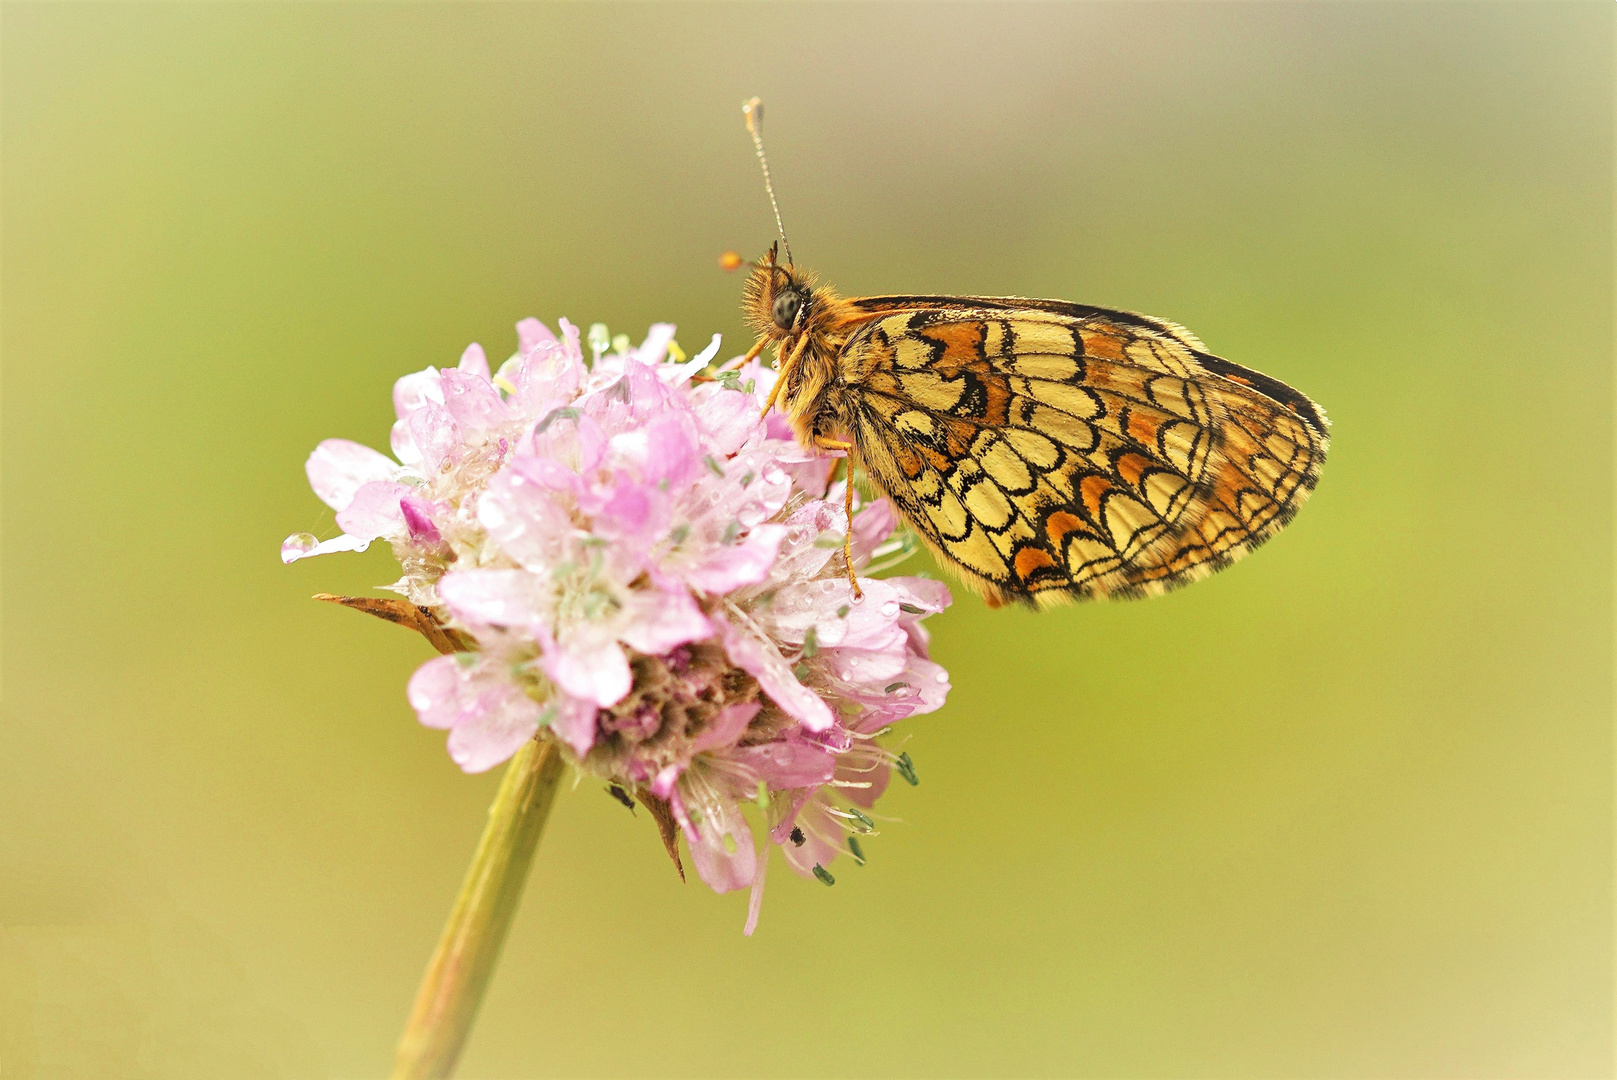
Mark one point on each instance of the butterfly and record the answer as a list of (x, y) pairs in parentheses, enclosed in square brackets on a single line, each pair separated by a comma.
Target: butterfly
[(1046, 451)]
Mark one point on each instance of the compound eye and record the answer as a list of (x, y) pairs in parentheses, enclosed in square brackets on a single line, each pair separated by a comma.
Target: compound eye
[(787, 304)]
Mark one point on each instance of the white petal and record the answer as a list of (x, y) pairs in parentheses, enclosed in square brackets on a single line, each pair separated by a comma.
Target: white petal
[(340, 467)]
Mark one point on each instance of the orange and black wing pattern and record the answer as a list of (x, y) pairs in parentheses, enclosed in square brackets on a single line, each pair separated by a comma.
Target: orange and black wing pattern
[(1051, 451)]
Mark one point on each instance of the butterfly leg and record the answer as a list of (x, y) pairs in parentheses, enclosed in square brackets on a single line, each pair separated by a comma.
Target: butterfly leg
[(752, 354), (847, 501), (783, 371)]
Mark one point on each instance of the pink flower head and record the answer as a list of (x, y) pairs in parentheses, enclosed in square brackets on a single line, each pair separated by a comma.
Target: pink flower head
[(653, 576)]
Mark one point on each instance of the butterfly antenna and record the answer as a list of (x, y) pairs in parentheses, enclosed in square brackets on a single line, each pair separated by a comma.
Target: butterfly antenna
[(753, 110)]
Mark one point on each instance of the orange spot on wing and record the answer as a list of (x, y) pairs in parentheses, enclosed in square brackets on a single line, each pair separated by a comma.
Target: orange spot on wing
[(998, 410), (908, 459), (962, 342), (1092, 489), (1059, 524), (938, 461), (957, 437), (1143, 427), (1032, 559), (1105, 346), (1132, 466)]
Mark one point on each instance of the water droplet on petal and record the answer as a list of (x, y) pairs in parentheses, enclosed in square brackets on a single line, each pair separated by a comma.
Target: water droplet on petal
[(297, 545), (889, 609), (942, 676)]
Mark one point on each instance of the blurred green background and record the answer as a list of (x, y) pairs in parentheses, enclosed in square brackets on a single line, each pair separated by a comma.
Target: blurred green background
[(1344, 810)]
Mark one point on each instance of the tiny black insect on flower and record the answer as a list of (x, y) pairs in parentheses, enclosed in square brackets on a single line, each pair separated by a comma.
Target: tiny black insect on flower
[(617, 792), (798, 839)]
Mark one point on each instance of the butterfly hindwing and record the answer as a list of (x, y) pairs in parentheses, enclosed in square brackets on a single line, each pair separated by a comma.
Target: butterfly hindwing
[(1052, 451)]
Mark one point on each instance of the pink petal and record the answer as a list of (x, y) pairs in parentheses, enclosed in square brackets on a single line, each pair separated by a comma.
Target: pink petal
[(496, 597), (338, 468), (473, 402), (418, 514), (531, 333), (655, 347), (620, 509), (474, 361), (818, 826), (721, 869), (523, 518), (433, 691), (925, 593), (755, 901), (415, 390), (664, 620), (729, 419), (788, 763), (375, 511), (502, 719), (726, 727), (763, 661), (877, 777), (662, 785), (435, 434), (724, 569), (871, 526), (595, 670), (575, 723)]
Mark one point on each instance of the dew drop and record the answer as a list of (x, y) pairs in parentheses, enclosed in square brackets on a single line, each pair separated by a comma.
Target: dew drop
[(298, 545), (889, 609)]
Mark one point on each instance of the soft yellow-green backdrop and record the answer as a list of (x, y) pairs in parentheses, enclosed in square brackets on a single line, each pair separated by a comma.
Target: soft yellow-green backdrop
[(1344, 810)]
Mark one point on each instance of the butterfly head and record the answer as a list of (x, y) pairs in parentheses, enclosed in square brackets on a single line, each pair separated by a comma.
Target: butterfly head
[(779, 300)]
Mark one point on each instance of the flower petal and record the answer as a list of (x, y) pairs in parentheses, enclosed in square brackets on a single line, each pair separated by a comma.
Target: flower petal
[(655, 347), (724, 856), (474, 361), (433, 690), (726, 568), (375, 511), (818, 847), (415, 390), (496, 597), (788, 763), (588, 667), (763, 661), (755, 900), (339, 467), (871, 526), (531, 333), (663, 620), (575, 723), (436, 436), (726, 727), (471, 399), (494, 728)]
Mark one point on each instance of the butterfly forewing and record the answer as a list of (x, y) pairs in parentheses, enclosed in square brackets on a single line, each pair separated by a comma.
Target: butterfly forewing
[(1052, 450)]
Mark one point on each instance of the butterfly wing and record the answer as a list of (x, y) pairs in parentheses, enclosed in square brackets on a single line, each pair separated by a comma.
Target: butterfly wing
[(1051, 451)]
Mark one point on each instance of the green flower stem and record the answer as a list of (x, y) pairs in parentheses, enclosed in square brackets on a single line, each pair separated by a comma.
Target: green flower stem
[(463, 963)]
